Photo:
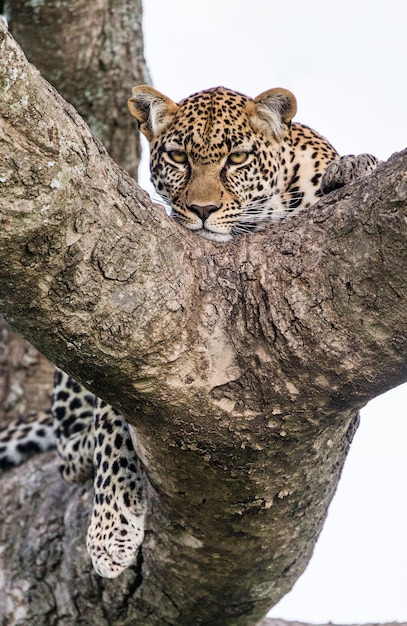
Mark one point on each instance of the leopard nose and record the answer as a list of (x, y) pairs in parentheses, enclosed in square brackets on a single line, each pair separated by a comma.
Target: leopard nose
[(203, 211)]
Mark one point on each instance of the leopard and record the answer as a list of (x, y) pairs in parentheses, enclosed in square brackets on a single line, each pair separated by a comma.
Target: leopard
[(225, 165)]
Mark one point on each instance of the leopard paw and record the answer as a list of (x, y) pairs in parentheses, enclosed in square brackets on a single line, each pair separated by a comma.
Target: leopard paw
[(114, 537), (346, 170)]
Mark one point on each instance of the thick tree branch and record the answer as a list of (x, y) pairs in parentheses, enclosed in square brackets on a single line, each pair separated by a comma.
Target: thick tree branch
[(242, 366)]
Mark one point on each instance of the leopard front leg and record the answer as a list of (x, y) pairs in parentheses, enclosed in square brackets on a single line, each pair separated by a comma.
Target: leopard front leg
[(117, 526), (346, 170)]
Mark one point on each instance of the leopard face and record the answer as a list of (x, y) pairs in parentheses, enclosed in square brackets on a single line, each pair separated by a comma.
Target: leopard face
[(227, 164)]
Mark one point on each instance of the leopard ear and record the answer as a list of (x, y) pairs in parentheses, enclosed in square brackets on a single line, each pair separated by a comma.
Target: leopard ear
[(273, 109), (153, 111)]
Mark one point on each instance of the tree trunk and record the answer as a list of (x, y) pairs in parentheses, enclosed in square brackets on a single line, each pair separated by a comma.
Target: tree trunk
[(92, 53), (25, 376), (241, 366), (102, 40)]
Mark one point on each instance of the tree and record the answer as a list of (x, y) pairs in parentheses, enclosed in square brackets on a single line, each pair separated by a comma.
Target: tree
[(241, 366)]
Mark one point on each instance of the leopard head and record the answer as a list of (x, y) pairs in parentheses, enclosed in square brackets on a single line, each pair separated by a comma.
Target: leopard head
[(215, 156)]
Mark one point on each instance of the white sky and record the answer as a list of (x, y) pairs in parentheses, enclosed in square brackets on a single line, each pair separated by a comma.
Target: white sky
[(346, 61)]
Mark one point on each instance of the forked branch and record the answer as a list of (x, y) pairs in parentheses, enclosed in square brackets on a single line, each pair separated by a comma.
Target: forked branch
[(242, 366)]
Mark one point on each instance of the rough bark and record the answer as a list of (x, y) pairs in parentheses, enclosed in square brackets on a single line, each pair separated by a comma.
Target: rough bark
[(93, 54), (25, 376), (241, 366)]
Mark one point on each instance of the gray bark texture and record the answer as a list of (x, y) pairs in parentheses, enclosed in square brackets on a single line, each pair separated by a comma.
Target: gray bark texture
[(25, 376), (241, 366), (93, 54)]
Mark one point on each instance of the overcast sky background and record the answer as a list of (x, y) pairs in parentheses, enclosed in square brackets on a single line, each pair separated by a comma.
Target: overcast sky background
[(346, 62)]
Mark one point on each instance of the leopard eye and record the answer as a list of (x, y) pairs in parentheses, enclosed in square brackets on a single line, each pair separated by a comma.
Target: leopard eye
[(178, 156), (237, 158)]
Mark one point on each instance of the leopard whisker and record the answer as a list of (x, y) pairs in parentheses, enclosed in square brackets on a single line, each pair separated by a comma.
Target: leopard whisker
[(289, 196), (162, 201), (240, 229)]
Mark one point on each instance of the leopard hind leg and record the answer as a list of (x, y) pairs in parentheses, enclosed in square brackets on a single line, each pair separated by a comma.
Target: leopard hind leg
[(72, 408)]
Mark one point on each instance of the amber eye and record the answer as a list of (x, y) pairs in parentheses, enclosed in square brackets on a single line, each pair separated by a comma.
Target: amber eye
[(237, 158), (178, 156)]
